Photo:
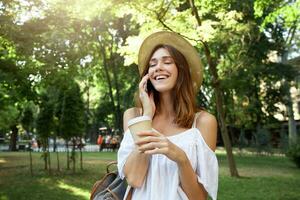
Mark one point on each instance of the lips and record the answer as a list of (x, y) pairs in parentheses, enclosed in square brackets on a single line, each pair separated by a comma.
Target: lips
[(160, 77)]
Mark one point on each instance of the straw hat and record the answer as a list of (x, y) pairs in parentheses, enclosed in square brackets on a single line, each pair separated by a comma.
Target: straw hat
[(179, 43)]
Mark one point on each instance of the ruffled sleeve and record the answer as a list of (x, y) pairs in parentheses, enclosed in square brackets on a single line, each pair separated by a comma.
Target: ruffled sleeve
[(126, 147), (207, 167)]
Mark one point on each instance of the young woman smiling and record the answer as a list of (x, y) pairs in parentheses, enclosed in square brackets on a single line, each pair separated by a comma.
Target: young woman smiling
[(176, 159)]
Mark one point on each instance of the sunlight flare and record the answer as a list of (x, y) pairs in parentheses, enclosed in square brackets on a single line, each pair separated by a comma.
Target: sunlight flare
[(75, 190)]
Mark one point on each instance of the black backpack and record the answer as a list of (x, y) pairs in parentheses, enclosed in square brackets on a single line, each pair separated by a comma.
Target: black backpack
[(110, 187)]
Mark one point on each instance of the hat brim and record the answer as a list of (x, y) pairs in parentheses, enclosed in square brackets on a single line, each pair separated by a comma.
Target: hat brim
[(179, 43)]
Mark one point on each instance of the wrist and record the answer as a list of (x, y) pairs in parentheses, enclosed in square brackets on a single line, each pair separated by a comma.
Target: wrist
[(141, 154), (147, 114), (147, 111), (182, 160)]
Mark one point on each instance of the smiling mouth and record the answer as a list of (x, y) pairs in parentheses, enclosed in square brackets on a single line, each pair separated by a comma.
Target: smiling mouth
[(161, 77)]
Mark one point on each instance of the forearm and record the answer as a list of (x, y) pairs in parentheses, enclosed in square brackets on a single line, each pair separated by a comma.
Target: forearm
[(136, 168), (189, 182)]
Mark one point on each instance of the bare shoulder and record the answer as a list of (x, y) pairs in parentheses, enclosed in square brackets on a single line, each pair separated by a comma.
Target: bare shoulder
[(129, 114), (208, 126)]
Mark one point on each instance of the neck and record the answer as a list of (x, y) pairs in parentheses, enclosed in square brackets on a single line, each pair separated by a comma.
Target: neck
[(166, 105)]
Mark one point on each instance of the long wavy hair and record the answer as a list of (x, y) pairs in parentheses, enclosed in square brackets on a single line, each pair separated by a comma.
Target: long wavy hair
[(183, 93)]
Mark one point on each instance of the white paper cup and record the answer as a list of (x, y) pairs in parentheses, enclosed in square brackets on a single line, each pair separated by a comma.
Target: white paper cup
[(142, 123)]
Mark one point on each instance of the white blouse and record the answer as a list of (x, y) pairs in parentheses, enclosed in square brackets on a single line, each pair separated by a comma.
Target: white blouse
[(162, 180)]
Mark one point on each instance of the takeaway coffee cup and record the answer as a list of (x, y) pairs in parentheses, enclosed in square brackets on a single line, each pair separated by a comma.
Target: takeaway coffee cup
[(142, 123)]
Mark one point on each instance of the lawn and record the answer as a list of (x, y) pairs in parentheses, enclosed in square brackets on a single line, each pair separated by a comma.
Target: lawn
[(263, 177)]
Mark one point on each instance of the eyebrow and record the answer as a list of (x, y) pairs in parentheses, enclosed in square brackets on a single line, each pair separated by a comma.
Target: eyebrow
[(164, 58)]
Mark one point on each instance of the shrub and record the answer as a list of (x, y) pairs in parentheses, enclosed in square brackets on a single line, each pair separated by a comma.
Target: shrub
[(294, 154), (263, 141)]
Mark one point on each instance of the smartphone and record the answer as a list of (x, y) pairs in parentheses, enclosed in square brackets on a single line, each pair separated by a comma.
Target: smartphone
[(150, 87)]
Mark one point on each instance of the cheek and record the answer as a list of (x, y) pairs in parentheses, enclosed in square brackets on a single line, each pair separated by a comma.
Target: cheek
[(175, 72), (150, 71)]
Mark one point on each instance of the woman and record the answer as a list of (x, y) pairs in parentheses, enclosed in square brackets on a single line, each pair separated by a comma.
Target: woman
[(176, 159)]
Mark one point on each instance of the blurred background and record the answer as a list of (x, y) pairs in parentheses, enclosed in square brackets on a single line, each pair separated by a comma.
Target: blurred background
[(68, 71)]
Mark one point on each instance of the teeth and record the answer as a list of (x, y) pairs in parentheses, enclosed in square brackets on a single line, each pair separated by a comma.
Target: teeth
[(160, 77)]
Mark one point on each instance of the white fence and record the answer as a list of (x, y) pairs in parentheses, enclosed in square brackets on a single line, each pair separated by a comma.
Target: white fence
[(59, 148)]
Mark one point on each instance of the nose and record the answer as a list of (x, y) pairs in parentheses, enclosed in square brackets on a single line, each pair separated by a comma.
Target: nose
[(158, 67)]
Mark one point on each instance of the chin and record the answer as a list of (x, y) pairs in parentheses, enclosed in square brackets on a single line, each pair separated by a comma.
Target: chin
[(163, 89)]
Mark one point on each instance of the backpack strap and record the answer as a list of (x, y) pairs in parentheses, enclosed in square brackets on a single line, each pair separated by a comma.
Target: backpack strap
[(110, 164)]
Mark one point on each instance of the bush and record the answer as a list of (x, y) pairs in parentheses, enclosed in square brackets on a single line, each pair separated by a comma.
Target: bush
[(263, 141), (294, 154)]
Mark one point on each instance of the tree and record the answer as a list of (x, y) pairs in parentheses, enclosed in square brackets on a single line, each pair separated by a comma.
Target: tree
[(16, 90), (72, 118), (44, 127), (182, 21), (16, 69), (285, 16), (228, 33), (27, 123)]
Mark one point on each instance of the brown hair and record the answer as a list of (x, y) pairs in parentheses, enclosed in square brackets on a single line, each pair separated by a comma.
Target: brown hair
[(183, 93)]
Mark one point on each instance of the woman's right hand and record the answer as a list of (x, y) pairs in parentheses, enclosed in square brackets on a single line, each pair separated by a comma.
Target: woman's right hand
[(146, 99)]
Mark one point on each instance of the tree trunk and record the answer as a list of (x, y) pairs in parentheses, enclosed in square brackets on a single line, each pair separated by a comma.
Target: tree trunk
[(54, 144), (87, 112), (80, 149), (73, 155), (48, 156), (219, 100), (45, 161), (30, 160), (57, 158), (68, 157), (13, 138), (81, 163), (49, 161), (118, 123), (289, 107), (224, 133), (45, 155), (291, 122), (113, 63), (105, 65)]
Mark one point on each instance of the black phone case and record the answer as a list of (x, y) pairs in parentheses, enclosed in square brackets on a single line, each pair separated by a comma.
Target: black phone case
[(150, 87)]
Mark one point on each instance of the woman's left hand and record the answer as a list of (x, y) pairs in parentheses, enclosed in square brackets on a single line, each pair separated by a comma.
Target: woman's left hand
[(151, 142)]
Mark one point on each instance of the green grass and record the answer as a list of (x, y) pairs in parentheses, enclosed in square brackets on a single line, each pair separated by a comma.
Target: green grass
[(17, 183), (262, 177)]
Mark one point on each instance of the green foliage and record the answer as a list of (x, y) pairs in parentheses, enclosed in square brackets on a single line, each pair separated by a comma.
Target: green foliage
[(294, 154), (95, 43), (9, 114), (231, 30), (71, 121), (44, 122), (242, 142), (284, 141), (28, 116), (263, 139), (287, 11)]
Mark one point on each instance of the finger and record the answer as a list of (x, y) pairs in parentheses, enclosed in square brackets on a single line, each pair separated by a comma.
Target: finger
[(147, 139), (155, 151), (143, 87), (148, 133), (151, 146), (143, 82), (151, 96), (142, 94)]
